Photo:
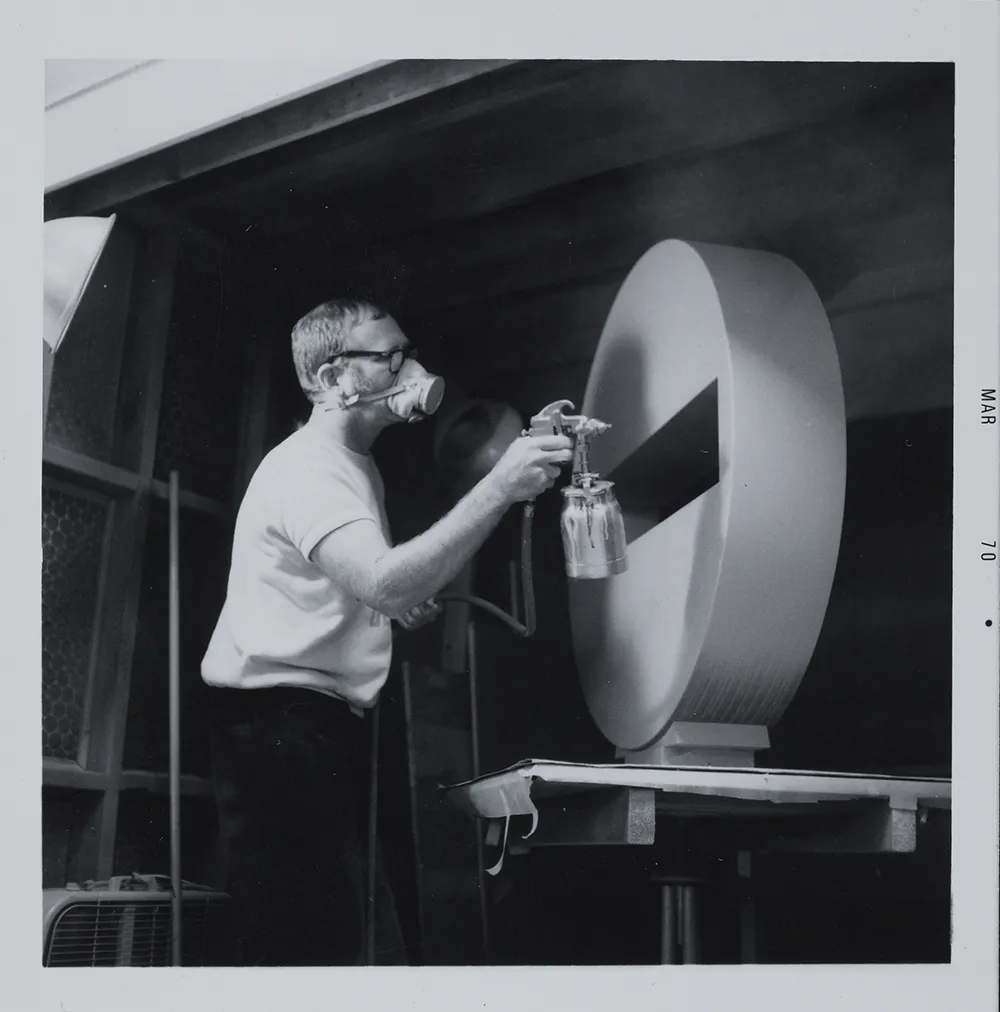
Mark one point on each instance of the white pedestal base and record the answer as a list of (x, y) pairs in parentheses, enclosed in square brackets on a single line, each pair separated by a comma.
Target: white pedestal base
[(686, 743)]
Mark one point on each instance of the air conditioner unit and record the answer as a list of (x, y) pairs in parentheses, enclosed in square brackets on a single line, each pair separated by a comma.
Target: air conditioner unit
[(126, 922)]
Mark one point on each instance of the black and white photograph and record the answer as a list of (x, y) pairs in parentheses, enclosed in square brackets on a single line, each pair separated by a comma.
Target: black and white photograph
[(505, 513)]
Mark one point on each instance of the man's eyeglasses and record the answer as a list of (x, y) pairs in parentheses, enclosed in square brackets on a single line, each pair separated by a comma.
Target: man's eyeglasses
[(395, 357)]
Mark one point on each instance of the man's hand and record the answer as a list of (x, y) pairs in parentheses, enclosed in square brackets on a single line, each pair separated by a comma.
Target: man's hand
[(530, 466), (421, 615)]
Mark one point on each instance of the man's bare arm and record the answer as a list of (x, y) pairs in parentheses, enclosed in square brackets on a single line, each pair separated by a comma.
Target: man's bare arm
[(393, 580)]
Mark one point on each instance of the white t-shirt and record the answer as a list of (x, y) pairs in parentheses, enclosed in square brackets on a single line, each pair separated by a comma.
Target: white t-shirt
[(284, 623)]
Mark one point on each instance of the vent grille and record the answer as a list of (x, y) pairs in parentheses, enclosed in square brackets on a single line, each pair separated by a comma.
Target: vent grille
[(102, 932)]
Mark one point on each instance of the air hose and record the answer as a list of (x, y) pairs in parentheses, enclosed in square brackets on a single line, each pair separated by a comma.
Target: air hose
[(527, 585)]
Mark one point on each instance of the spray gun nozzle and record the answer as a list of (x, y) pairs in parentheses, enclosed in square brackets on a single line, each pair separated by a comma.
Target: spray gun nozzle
[(591, 427)]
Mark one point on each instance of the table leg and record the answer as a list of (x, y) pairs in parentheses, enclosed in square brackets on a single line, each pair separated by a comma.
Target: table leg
[(668, 925)]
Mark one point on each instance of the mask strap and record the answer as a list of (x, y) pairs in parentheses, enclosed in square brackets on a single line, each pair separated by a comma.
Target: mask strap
[(349, 402)]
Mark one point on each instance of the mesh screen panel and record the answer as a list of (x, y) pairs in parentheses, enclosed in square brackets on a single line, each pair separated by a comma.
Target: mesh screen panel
[(72, 539), (203, 379), (87, 367), (205, 545)]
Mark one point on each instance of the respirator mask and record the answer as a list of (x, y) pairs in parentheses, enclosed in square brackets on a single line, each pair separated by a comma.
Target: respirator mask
[(414, 395)]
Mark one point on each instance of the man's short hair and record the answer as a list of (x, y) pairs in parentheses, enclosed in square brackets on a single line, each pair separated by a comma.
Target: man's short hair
[(322, 333)]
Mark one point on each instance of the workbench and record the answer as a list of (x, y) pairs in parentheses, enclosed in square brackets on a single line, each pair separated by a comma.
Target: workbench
[(750, 810)]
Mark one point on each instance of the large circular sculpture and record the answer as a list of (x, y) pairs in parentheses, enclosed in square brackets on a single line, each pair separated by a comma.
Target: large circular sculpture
[(718, 372)]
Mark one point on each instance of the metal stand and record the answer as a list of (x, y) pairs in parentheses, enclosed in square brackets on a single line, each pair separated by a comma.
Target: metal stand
[(177, 902), (372, 848), (680, 918)]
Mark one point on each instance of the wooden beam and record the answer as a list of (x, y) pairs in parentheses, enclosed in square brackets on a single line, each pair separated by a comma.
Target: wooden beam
[(82, 471), (379, 88), (626, 816), (86, 471), (158, 783), (62, 774), (616, 816), (192, 500), (368, 145)]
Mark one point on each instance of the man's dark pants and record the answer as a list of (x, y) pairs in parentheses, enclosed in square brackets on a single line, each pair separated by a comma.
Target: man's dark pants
[(291, 771)]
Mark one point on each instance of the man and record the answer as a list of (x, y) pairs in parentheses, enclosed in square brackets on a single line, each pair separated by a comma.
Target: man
[(303, 644)]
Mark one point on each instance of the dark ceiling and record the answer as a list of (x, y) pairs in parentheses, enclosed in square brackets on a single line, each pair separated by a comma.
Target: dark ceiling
[(505, 138)]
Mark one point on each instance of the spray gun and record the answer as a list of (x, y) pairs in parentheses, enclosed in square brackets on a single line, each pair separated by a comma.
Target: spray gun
[(593, 532)]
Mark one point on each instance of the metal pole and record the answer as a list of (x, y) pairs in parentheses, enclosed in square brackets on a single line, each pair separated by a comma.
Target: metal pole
[(474, 711), (668, 926), (748, 927), (411, 756), (176, 904), (372, 842), (690, 942), (474, 727)]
